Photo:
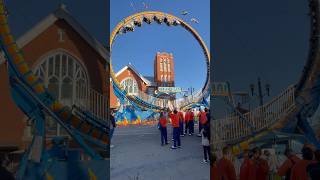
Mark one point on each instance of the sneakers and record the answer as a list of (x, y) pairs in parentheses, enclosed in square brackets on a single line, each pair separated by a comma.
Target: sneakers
[(179, 146), (167, 143), (173, 147), (190, 134), (199, 135), (111, 146), (205, 161), (182, 135)]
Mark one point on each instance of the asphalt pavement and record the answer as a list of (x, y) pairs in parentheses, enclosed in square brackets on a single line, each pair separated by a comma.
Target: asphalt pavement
[(138, 155)]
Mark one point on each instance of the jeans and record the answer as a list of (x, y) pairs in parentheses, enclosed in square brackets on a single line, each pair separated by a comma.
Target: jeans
[(206, 152), (176, 136), (163, 131), (181, 127), (191, 127), (186, 127)]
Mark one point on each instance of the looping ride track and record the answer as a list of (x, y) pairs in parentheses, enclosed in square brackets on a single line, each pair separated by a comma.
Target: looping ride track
[(86, 129), (142, 100)]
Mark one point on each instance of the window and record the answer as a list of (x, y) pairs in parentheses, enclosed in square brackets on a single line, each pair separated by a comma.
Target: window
[(169, 66), (61, 74), (169, 78), (161, 78), (165, 65), (161, 64), (130, 85)]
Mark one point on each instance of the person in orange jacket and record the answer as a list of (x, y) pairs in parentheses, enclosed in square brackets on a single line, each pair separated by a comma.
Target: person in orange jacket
[(287, 165), (299, 170), (163, 128), (214, 173), (181, 120), (225, 166), (191, 123), (176, 131), (261, 165), (247, 169), (202, 119)]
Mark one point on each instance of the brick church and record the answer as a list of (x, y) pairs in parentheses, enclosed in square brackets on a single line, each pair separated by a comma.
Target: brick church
[(134, 82), (62, 54)]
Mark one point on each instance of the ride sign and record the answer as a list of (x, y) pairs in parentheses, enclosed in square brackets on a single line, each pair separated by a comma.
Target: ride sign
[(220, 89), (170, 89)]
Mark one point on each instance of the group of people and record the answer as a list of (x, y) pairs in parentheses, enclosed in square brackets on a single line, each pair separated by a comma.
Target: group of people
[(256, 166), (183, 124)]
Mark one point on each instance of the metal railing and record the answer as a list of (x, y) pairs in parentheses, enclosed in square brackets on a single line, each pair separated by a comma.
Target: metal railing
[(92, 101), (233, 127)]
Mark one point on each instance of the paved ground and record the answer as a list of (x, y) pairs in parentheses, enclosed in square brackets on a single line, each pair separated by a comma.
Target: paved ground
[(138, 155)]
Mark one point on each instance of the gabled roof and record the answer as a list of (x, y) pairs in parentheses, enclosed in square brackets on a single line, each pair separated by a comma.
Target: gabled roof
[(129, 66), (62, 13)]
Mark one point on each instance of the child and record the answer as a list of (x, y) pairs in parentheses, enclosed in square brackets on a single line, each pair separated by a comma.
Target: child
[(163, 128), (205, 144)]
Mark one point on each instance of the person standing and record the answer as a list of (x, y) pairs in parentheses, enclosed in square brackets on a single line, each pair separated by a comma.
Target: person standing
[(113, 123), (176, 131), (186, 121), (299, 170), (181, 120), (225, 166), (287, 165), (163, 128), (314, 169), (191, 123), (247, 169), (261, 165), (214, 173), (202, 120), (205, 144)]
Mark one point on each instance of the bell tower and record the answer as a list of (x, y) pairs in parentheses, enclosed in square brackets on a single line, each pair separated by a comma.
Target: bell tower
[(164, 70)]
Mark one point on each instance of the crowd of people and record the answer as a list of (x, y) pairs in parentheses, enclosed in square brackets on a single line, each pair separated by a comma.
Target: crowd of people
[(183, 124), (256, 165)]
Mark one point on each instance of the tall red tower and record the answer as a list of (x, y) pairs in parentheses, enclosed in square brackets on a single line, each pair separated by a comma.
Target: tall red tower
[(164, 70)]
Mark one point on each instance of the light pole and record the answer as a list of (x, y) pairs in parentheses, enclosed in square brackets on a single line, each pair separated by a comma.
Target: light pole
[(260, 94)]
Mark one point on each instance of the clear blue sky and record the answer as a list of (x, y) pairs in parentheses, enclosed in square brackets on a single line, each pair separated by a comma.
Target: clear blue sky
[(140, 47)]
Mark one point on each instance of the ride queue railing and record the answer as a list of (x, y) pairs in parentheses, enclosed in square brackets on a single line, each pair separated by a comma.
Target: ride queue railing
[(92, 101), (232, 128)]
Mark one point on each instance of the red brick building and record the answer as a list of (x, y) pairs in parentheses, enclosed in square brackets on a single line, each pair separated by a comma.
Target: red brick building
[(61, 53), (134, 82)]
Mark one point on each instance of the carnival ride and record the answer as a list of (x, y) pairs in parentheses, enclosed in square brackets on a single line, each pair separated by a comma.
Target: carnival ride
[(54, 160), (142, 101), (286, 113)]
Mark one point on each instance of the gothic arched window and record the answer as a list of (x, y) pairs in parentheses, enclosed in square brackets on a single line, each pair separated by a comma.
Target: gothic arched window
[(130, 85), (61, 74)]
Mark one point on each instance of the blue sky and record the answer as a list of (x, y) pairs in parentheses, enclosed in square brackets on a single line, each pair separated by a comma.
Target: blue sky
[(140, 47)]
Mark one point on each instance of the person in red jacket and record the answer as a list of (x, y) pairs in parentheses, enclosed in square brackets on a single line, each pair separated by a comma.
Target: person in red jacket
[(186, 121), (225, 166), (299, 170), (191, 123), (176, 131), (181, 120), (287, 165), (214, 173), (261, 165), (202, 119), (247, 169), (163, 128)]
